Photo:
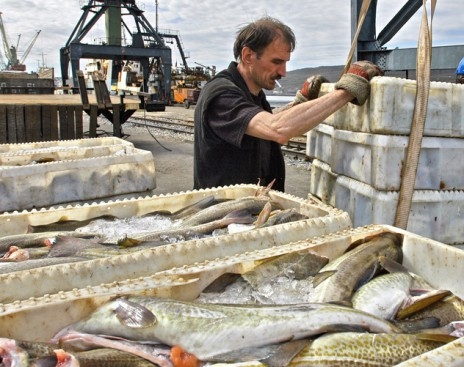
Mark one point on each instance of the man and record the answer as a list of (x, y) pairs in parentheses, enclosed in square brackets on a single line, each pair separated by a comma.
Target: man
[(237, 137)]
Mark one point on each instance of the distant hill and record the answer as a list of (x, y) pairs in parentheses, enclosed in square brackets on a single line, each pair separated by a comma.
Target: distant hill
[(292, 82)]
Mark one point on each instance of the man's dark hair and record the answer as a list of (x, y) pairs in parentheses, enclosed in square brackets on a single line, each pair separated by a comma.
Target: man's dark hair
[(259, 34)]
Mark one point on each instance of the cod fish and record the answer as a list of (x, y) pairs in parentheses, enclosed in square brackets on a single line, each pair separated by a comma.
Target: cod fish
[(355, 268), (362, 349), (297, 265), (210, 330), (447, 310), (384, 295)]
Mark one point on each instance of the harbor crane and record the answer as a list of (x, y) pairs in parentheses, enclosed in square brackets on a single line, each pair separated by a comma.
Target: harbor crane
[(11, 51)]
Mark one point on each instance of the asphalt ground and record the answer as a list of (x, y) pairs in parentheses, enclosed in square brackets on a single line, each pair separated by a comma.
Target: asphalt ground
[(173, 154)]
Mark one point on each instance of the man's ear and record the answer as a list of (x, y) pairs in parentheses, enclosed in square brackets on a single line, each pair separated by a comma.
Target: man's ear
[(248, 55)]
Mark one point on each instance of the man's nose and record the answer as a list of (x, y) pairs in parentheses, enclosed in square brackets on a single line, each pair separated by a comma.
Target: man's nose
[(282, 70)]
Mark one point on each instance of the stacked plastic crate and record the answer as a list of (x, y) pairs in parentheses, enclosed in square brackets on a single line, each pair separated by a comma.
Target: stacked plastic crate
[(358, 154), (40, 174)]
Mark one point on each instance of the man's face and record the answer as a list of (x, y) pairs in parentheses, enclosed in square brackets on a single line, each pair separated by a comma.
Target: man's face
[(271, 65)]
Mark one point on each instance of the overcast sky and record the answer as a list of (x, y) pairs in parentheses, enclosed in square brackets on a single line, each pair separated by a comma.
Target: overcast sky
[(207, 28)]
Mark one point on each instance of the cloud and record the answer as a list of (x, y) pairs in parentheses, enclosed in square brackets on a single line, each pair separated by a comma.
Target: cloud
[(208, 28)]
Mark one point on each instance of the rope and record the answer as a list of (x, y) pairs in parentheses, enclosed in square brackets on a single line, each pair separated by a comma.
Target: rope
[(409, 172), (362, 15)]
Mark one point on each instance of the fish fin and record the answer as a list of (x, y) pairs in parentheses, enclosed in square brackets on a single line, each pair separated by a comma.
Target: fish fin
[(284, 353), (422, 303), (264, 191), (410, 326), (391, 265), (442, 338), (195, 207), (264, 215), (321, 276), (134, 315), (242, 216), (272, 355), (128, 242)]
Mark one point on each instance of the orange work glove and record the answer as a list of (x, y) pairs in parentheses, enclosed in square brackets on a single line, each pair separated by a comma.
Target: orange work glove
[(357, 80), (310, 89)]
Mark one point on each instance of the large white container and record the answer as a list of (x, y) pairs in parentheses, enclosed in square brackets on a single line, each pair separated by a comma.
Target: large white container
[(44, 146), (377, 159), (389, 110), (435, 214), (37, 175), (30, 319), (319, 142), (322, 219)]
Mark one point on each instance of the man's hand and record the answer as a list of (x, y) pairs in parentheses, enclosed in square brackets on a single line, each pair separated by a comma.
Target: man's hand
[(310, 89), (356, 80)]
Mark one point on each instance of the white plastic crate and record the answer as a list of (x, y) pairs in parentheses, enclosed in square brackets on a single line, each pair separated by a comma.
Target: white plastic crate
[(319, 142), (44, 146), (377, 160), (28, 319), (389, 110), (434, 214), (322, 219), (85, 175)]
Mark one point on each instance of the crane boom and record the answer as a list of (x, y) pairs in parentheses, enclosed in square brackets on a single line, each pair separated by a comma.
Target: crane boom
[(6, 42), (11, 51), (29, 47)]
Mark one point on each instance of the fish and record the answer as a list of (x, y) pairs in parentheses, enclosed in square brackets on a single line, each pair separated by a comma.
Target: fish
[(79, 342), (447, 310), (298, 265), (384, 295), (16, 254), (194, 208), (236, 216), (362, 349), (66, 246), (209, 330), (41, 239), (253, 204), (284, 216), (101, 357), (12, 355), (355, 268)]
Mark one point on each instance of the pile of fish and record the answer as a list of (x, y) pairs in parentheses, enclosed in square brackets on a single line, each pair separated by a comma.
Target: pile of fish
[(69, 241), (362, 308)]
